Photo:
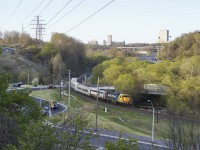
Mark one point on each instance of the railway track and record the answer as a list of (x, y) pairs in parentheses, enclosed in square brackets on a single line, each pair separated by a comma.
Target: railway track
[(131, 108), (158, 114)]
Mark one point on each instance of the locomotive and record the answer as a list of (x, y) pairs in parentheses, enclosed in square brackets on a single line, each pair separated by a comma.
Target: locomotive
[(103, 94)]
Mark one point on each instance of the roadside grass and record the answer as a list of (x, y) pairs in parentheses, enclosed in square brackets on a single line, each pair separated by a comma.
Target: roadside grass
[(116, 118)]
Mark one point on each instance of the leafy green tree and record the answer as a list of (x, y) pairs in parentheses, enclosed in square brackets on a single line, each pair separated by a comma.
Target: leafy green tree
[(75, 125), (17, 110), (62, 132), (98, 71), (125, 83), (71, 51), (48, 50), (39, 135), (0, 50), (111, 73), (22, 125), (190, 67), (122, 144), (185, 46)]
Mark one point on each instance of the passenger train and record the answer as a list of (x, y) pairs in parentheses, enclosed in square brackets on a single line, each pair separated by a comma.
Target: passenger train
[(103, 94)]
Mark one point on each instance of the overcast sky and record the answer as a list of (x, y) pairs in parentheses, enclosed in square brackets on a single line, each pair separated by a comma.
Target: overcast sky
[(126, 20)]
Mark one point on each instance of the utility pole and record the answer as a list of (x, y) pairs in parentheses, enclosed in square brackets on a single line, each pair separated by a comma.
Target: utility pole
[(97, 103), (152, 133), (60, 67), (22, 28), (38, 29), (69, 89)]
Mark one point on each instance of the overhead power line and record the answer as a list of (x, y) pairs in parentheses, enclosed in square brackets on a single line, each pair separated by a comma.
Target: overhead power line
[(45, 7), (90, 16), (59, 11), (34, 10), (12, 13), (66, 14), (30, 14)]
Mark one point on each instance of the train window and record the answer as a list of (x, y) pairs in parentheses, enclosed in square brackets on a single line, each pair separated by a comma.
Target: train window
[(126, 96), (85, 90)]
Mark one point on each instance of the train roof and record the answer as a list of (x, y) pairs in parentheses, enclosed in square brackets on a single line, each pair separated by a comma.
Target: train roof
[(104, 88)]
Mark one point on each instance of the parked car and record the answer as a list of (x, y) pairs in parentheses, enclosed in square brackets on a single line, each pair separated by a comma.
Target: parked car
[(16, 84), (51, 86), (19, 84)]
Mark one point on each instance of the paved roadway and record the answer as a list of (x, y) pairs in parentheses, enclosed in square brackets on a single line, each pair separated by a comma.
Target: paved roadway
[(43, 102), (61, 107), (7, 50), (144, 143)]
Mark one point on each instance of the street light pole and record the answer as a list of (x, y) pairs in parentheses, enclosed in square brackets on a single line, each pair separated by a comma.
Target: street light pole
[(52, 78), (61, 80), (157, 110), (49, 103), (69, 89), (152, 134), (97, 103), (28, 77)]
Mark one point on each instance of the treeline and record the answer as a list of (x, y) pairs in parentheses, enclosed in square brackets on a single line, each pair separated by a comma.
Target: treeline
[(24, 126), (129, 75), (182, 77), (185, 46), (62, 53), (14, 37), (56, 57)]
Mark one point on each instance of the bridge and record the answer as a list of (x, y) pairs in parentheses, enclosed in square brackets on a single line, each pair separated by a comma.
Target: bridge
[(154, 89), (139, 47)]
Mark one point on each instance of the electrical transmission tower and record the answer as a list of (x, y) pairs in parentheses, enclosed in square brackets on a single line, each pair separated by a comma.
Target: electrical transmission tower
[(38, 28)]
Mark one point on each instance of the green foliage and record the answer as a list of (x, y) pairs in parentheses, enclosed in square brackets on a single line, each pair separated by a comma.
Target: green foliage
[(184, 97), (22, 125), (181, 77), (112, 73), (0, 50), (35, 82), (48, 50), (71, 51), (38, 136), (184, 46), (30, 52), (125, 83), (9, 147), (122, 144), (98, 71), (17, 110)]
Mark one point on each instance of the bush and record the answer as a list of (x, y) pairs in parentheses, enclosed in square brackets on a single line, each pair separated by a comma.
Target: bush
[(35, 82)]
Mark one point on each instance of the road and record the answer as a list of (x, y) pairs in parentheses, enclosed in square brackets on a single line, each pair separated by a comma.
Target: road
[(7, 50), (144, 143), (61, 107), (42, 102)]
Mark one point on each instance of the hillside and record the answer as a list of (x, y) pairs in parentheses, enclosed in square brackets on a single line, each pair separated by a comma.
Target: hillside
[(19, 67), (185, 46)]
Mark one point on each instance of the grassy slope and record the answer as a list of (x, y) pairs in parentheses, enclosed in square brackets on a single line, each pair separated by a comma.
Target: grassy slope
[(116, 118)]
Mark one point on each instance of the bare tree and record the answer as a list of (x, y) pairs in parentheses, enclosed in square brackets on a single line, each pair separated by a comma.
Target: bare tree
[(183, 132)]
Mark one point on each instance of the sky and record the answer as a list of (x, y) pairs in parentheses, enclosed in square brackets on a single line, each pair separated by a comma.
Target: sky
[(132, 21)]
